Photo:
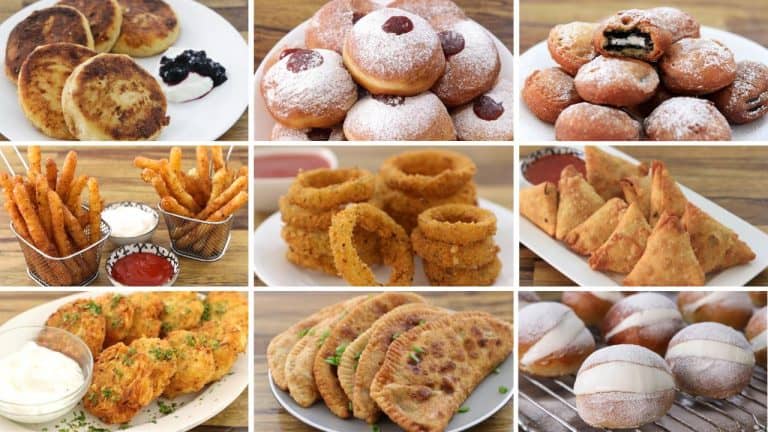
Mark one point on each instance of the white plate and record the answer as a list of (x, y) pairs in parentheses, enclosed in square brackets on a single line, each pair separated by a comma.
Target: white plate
[(273, 269), (537, 57), (576, 267), (192, 410), (484, 402), (263, 122), (201, 120)]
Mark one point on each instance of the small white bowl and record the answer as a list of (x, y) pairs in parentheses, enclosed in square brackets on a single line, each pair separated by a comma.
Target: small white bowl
[(142, 238), (267, 190), (130, 249)]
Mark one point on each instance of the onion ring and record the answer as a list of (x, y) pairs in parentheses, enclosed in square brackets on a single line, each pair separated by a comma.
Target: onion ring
[(457, 223), (395, 245), (324, 189), (317, 244), (445, 254), (480, 276), (402, 202), (435, 173), (300, 217), (322, 264)]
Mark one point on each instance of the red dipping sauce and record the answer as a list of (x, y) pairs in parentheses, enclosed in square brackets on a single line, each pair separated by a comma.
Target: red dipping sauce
[(549, 167), (142, 269), (287, 164)]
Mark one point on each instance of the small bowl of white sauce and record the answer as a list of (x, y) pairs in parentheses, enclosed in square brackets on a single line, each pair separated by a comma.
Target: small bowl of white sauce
[(44, 373), (131, 222)]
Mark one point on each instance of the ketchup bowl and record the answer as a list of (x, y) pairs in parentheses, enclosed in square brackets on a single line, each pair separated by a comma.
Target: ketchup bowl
[(142, 264)]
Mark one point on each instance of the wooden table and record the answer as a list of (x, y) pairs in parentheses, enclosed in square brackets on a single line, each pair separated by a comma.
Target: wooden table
[(234, 11), (273, 20), (744, 17), (732, 176), (119, 181), (274, 312), (232, 419), (494, 173)]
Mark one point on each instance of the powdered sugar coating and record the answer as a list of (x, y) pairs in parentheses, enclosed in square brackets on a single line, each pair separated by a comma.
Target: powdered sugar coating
[(585, 121), (697, 66), (284, 133), (373, 118), (687, 119), (645, 301), (330, 24), (623, 410), (624, 353), (429, 9), (470, 127), (539, 318), (616, 81), (711, 331), (677, 22)]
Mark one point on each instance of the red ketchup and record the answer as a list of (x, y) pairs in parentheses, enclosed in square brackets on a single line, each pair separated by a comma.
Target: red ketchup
[(549, 167), (142, 269), (287, 164)]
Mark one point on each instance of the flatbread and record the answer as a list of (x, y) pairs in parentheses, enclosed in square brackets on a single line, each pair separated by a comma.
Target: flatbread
[(593, 232), (578, 200), (539, 205), (668, 259), (665, 194), (382, 333), (625, 245), (712, 241), (432, 369), (355, 323), (604, 171), (637, 190), (348, 364)]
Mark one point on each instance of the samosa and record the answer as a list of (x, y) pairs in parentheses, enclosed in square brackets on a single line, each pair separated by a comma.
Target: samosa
[(665, 194), (578, 200), (604, 171), (715, 246), (539, 205), (625, 245), (637, 190), (594, 231)]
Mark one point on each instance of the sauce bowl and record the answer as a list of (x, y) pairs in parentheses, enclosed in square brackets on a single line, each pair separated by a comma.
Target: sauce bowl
[(149, 248), (141, 238)]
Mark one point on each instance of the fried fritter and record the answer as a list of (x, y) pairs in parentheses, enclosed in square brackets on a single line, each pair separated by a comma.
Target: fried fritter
[(148, 310), (149, 28), (105, 18), (85, 319), (196, 364), (118, 312), (227, 306), (162, 362), (226, 340), (182, 311)]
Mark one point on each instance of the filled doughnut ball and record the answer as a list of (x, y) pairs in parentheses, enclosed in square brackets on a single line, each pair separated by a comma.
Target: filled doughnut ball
[(759, 298), (646, 319), (755, 332), (591, 306), (623, 386), (710, 359), (553, 340), (730, 308), (525, 298)]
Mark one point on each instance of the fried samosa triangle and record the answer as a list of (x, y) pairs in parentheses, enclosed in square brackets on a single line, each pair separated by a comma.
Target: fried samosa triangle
[(668, 259), (539, 205), (716, 246), (430, 370), (665, 194), (578, 200), (625, 245), (637, 190), (594, 231), (604, 171)]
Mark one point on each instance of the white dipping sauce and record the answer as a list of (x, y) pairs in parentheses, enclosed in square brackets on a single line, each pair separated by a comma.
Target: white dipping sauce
[(193, 87), (128, 221), (38, 375)]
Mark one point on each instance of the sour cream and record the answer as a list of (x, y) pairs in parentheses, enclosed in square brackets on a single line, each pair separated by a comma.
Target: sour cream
[(193, 87), (127, 221), (36, 375)]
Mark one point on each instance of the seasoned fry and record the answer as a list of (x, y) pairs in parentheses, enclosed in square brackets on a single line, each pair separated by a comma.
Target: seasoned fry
[(203, 167), (67, 175), (176, 188), (192, 186), (10, 206), (94, 211), (169, 204), (34, 158), (51, 173), (218, 183), (227, 195), (218, 158), (174, 158), (144, 162), (36, 230), (230, 207), (153, 177), (41, 197), (73, 201), (243, 171), (64, 246)]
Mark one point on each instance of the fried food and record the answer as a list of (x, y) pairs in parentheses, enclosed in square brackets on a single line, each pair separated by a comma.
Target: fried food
[(578, 200), (666, 196), (324, 189), (637, 190), (348, 363), (430, 371), (404, 203), (161, 362), (539, 205), (428, 173), (299, 217), (226, 340), (67, 175), (593, 232), (317, 244), (625, 245), (83, 318), (446, 254), (149, 27), (716, 247), (119, 315), (181, 311), (94, 210), (298, 365), (105, 18), (604, 171), (460, 224), (227, 307), (196, 364), (484, 275), (148, 310)]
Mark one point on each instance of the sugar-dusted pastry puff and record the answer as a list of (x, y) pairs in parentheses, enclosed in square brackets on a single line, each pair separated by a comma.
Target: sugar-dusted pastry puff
[(593, 232), (625, 245), (645, 319), (616, 81), (716, 246), (730, 308), (632, 33), (591, 306), (457, 351), (329, 26), (526, 298), (578, 200), (687, 119), (547, 92), (759, 298), (605, 171), (539, 204), (637, 190), (710, 359), (666, 196), (697, 66), (623, 387), (755, 332), (589, 122), (570, 45), (668, 259), (746, 98), (678, 23), (553, 340)]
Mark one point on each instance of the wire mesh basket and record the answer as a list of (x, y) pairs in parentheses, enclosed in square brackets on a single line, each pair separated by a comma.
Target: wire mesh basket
[(196, 239), (79, 269)]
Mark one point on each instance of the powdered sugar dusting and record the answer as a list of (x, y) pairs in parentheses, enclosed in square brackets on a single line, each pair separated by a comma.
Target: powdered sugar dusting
[(371, 117), (698, 59), (626, 353), (604, 72), (686, 118), (679, 23), (700, 375), (751, 82), (470, 127), (711, 331), (645, 301), (284, 133), (539, 318)]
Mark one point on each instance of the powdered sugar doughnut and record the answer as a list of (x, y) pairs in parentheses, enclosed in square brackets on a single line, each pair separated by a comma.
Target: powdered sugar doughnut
[(646, 319), (697, 66), (755, 332), (488, 117), (330, 24), (279, 54), (309, 89), (283, 133), (430, 10), (710, 359), (746, 98), (679, 24), (759, 298), (687, 119), (397, 118), (623, 386), (553, 340), (547, 92), (525, 298), (589, 122), (570, 45), (616, 81), (394, 52), (730, 308), (591, 306)]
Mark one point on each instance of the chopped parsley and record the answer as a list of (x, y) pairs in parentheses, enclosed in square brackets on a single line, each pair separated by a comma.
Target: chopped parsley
[(396, 335), (375, 428), (92, 307), (335, 360), (115, 300), (463, 410), (503, 390), (323, 337), (304, 332), (161, 354)]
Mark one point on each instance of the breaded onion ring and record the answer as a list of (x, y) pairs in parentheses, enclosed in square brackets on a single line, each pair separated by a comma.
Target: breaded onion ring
[(445, 254), (436, 173), (395, 246), (457, 223), (402, 202), (324, 189), (453, 276), (300, 217), (322, 264), (316, 243)]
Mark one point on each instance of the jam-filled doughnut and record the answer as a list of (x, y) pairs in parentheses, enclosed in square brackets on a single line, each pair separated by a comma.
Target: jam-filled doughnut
[(472, 62), (678, 23), (570, 45), (309, 89), (430, 10), (548, 92), (697, 66), (488, 117), (746, 98), (616, 81), (687, 119), (589, 122), (330, 24), (394, 52), (632, 33), (283, 133), (397, 118)]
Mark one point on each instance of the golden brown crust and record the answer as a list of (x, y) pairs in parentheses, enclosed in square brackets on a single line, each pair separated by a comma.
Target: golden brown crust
[(105, 18), (563, 362), (588, 122), (633, 21), (330, 24), (445, 254), (590, 308), (619, 82), (430, 10), (721, 312), (484, 275), (746, 99), (570, 45), (697, 67), (83, 318), (149, 28), (605, 171), (547, 92)]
